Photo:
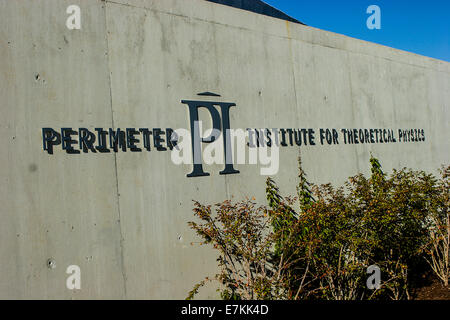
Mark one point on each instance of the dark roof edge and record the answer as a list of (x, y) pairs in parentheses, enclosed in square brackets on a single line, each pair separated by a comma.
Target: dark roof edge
[(257, 6)]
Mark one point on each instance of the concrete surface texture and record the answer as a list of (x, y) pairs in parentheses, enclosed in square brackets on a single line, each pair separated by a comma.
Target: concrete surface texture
[(122, 217)]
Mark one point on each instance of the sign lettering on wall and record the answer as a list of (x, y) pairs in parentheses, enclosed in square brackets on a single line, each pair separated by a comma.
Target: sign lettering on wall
[(228, 142)]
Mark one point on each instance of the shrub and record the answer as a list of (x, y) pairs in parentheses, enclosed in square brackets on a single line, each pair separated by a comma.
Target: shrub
[(322, 249), (241, 233), (437, 246)]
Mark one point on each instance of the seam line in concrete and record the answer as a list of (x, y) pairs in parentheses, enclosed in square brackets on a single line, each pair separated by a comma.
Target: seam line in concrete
[(115, 157)]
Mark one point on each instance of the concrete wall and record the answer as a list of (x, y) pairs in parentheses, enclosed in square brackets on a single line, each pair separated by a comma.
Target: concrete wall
[(123, 217)]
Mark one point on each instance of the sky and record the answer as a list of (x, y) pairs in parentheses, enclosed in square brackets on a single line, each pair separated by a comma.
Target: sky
[(419, 26)]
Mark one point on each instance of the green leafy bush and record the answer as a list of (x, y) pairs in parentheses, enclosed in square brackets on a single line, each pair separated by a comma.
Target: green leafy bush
[(322, 249)]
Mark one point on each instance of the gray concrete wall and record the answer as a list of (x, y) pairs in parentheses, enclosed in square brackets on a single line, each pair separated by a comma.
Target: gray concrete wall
[(123, 217)]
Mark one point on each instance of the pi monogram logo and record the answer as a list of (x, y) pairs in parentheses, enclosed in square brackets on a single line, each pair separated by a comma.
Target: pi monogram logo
[(220, 127)]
